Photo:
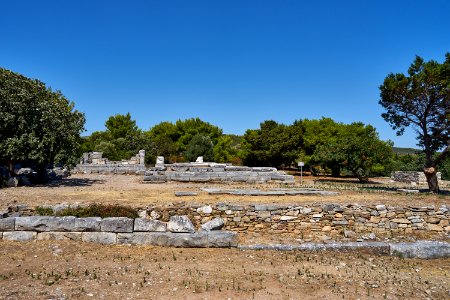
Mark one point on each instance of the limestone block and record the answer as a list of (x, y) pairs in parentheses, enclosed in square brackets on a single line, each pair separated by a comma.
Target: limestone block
[(434, 227), (180, 224), (222, 239), (287, 218), (237, 168), (421, 249), (165, 239), (7, 224), (19, 236), (87, 224), (44, 223), (116, 224), (183, 194), (99, 237), (215, 224), (59, 236), (141, 224)]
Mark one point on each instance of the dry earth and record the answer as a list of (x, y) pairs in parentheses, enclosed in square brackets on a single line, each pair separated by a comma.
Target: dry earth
[(67, 270)]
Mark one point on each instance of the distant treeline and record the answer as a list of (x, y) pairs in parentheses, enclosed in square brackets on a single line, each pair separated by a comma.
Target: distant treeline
[(325, 146)]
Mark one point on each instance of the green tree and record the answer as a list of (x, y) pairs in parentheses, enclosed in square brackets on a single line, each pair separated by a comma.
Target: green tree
[(421, 99), (272, 145), (223, 150), (357, 149), (200, 145), (38, 126), (121, 126)]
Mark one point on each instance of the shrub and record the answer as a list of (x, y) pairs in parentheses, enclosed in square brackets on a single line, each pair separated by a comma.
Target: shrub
[(100, 210)]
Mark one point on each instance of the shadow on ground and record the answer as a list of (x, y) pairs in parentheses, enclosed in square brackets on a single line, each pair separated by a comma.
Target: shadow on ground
[(72, 182)]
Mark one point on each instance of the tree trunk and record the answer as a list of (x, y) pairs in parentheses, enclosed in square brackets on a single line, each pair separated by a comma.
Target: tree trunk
[(430, 174)]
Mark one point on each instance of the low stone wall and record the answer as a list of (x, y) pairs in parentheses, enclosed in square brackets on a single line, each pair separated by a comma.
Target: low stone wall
[(319, 222), (412, 177), (178, 232), (214, 172)]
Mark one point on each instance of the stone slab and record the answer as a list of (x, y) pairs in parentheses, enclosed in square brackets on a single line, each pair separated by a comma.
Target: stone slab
[(19, 236), (106, 238), (117, 224), (165, 239), (7, 224), (59, 236), (87, 224), (180, 224), (143, 224), (421, 249), (44, 223)]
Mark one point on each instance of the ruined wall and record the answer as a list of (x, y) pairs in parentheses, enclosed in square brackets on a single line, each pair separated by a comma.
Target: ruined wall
[(93, 162), (412, 177)]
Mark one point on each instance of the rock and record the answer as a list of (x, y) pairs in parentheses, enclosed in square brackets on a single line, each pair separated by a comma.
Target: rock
[(433, 220), (59, 236), (340, 222), (142, 213), (288, 218), (155, 215), (215, 224), (434, 227), (7, 224), (317, 216), (349, 234), (421, 249), (371, 236), (183, 194), (142, 224), (116, 224), (180, 224), (106, 238), (401, 221), (19, 236), (13, 182), (305, 210), (205, 209), (381, 207), (326, 228)]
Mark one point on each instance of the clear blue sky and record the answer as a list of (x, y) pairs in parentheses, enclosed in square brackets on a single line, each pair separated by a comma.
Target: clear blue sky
[(231, 63)]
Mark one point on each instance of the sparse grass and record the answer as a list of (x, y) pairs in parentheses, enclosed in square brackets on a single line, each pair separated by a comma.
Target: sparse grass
[(44, 211)]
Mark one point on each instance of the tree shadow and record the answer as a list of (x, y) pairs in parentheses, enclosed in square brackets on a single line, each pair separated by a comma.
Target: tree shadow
[(346, 181), (71, 182)]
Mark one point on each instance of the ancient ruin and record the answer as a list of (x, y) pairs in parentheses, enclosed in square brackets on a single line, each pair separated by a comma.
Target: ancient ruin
[(415, 178), (94, 162), (200, 171)]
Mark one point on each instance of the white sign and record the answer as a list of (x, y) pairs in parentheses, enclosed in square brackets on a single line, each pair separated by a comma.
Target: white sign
[(301, 164)]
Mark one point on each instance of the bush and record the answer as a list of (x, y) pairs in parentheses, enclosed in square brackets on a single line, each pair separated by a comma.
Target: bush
[(44, 211), (99, 210)]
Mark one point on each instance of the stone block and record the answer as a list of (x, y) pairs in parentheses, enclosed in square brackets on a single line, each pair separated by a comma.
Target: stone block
[(421, 249), (59, 236), (180, 224), (141, 224), (214, 224), (165, 239), (207, 209), (7, 224), (116, 224), (87, 224), (106, 238), (44, 223), (182, 194), (222, 239), (19, 236)]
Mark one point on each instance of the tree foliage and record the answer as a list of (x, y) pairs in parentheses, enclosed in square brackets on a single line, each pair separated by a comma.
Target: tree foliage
[(421, 99), (38, 126), (200, 145)]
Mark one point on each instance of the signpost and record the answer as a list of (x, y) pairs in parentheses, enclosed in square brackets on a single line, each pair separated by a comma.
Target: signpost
[(301, 164)]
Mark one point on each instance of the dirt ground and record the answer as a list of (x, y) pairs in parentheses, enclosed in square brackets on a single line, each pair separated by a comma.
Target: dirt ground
[(70, 270), (130, 190)]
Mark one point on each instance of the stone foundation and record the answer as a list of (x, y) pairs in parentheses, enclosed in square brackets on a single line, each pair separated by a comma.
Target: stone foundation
[(93, 162), (214, 172)]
